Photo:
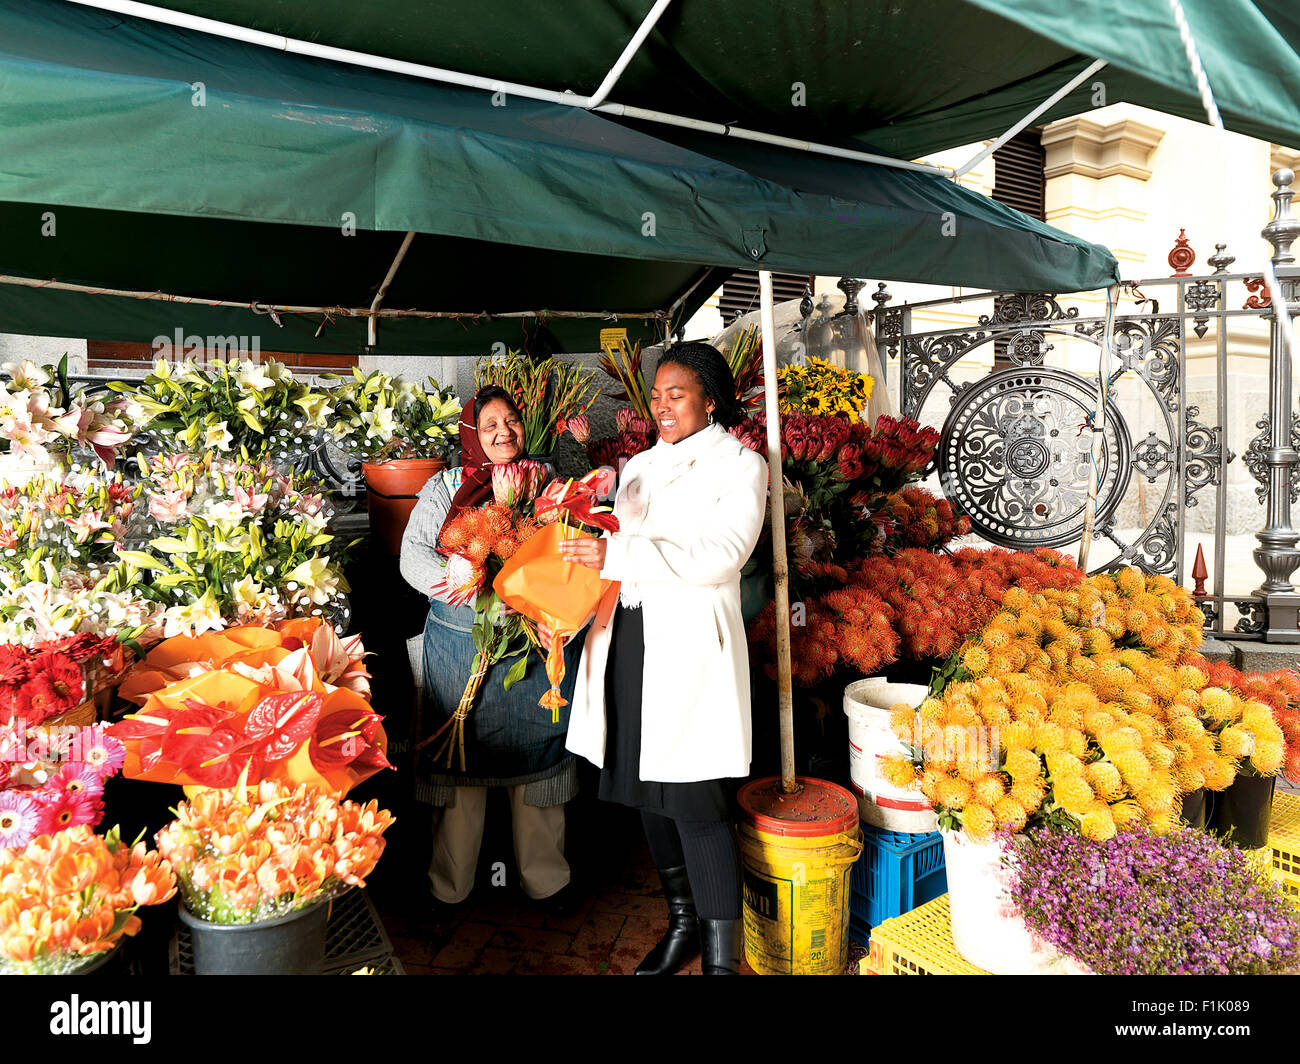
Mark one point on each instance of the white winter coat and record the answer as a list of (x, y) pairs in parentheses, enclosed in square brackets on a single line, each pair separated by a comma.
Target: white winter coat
[(690, 514)]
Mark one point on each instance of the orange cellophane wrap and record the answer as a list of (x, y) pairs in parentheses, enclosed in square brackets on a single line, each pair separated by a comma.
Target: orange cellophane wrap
[(560, 594), (254, 645), (226, 690)]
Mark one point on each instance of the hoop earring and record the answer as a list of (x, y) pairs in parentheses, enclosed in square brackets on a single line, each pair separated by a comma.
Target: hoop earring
[(710, 417)]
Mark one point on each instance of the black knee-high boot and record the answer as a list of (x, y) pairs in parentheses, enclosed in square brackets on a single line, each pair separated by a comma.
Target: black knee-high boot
[(723, 940), (682, 941)]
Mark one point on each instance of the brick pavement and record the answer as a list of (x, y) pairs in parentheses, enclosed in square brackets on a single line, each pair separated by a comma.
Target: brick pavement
[(500, 932)]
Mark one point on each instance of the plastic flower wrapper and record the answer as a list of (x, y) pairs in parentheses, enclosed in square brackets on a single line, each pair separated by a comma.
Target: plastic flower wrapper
[(67, 897), (381, 417), (230, 406), (291, 652), (259, 851), (232, 540), (549, 590), (270, 720)]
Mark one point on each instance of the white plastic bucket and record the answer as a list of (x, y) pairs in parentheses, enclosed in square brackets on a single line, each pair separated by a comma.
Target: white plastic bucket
[(987, 928), (867, 704)]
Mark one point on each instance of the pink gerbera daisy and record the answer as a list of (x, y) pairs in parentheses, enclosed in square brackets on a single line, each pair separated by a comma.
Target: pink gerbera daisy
[(78, 778), (101, 752), (65, 809), (20, 819)]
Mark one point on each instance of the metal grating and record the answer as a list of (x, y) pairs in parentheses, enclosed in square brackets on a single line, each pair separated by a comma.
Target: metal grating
[(354, 938)]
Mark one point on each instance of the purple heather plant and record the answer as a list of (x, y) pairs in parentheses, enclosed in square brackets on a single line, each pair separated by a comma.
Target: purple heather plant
[(1147, 904)]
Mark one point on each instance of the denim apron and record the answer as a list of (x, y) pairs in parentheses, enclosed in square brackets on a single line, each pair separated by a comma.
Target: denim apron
[(509, 738)]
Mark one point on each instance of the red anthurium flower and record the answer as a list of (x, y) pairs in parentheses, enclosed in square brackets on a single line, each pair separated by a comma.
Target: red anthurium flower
[(342, 737), (198, 735), (282, 722)]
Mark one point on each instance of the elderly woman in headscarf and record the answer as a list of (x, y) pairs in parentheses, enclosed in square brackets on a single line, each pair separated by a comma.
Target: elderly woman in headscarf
[(510, 741)]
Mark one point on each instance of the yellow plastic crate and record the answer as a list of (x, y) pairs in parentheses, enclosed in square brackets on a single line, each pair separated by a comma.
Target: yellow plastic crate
[(919, 943), (1284, 841)]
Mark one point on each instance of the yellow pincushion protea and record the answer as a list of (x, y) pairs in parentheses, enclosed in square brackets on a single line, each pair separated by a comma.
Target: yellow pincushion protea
[(1188, 729), (902, 722), (1236, 741), (897, 770), (979, 822), (1268, 757), (1010, 813), (930, 780), (952, 793), (971, 770), (1188, 778), (988, 789), (1029, 793), (1191, 676), (1097, 824), (1076, 742), (1217, 704), (1016, 598), (975, 660), (1218, 772), (1156, 799), (1130, 582), (1073, 794), (1106, 780), (1258, 717), (1050, 737), (1134, 767), (1127, 813), (1023, 764), (1062, 763), (1161, 755)]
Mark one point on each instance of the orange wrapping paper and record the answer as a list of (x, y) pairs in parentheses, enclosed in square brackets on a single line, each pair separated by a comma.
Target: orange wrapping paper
[(560, 594)]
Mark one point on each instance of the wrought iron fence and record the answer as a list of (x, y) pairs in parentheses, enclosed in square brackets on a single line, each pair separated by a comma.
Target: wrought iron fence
[(1021, 388)]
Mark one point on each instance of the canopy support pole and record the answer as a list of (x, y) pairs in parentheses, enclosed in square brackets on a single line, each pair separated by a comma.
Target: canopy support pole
[(780, 563), (281, 43), (633, 46), (371, 329), (1055, 98)]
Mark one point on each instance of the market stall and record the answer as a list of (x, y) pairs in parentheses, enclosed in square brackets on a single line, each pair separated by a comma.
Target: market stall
[(499, 196)]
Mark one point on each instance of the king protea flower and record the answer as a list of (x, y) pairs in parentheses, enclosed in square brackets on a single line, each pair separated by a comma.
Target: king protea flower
[(517, 482), (580, 428), (461, 581)]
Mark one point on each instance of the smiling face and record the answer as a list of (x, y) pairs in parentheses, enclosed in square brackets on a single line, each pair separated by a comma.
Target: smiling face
[(500, 431), (678, 402)]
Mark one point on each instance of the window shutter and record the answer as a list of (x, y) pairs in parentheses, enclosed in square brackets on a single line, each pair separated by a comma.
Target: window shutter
[(1018, 173), (740, 292)]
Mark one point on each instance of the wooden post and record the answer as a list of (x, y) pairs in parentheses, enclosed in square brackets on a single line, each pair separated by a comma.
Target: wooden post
[(780, 565)]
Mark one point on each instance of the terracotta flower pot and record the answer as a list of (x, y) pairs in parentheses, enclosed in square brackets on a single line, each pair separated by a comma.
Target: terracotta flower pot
[(393, 488)]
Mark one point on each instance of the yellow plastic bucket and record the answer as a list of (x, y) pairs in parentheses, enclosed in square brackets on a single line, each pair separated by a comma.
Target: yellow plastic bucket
[(797, 851)]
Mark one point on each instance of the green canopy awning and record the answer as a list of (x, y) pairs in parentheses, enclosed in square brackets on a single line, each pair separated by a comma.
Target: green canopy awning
[(145, 158)]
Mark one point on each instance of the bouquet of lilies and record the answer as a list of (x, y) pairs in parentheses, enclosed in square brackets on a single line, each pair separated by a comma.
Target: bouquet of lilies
[(242, 404), (59, 603), (381, 417), (41, 415), (238, 541)]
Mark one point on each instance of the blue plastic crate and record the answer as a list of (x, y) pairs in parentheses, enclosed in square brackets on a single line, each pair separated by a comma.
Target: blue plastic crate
[(896, 873)]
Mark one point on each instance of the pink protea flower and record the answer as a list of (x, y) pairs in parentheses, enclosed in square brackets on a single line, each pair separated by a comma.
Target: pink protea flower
[(518, 482), (580, 428), (623, 418)]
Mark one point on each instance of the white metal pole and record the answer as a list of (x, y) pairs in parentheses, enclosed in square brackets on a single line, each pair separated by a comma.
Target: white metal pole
[(638, 38), (1060, 94), (281, 43), (780, 563)]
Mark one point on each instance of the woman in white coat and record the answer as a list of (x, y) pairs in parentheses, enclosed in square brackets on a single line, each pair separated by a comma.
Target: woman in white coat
[(661, 703)]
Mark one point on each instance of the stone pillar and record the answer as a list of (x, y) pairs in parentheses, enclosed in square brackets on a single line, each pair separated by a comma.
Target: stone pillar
[(1277, 553)]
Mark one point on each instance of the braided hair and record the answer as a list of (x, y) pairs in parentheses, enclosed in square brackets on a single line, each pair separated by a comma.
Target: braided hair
[(714, 372)]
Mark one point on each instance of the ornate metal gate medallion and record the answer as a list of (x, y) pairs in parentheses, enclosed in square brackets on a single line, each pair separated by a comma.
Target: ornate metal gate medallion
[(1014, 455)]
